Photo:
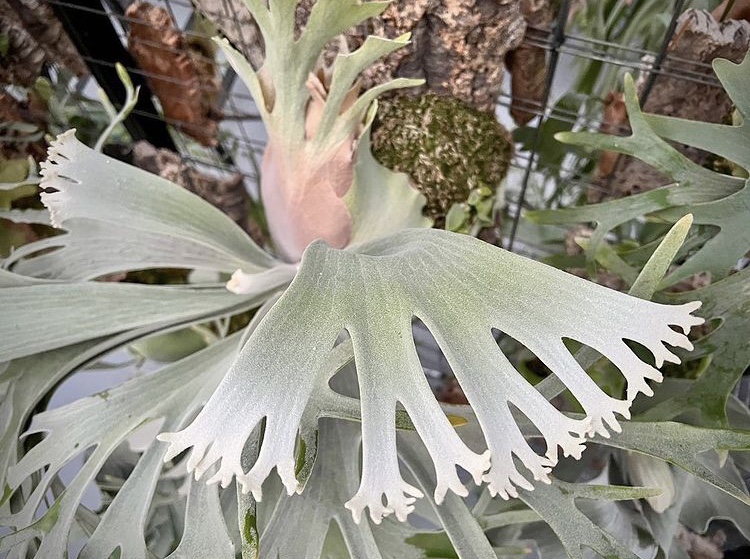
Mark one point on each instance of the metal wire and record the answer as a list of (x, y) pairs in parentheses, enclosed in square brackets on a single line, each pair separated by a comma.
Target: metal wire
[(557, 41)]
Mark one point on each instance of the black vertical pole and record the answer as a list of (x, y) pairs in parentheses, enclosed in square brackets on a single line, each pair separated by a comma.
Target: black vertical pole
[(558, 38), (96, 39), (661, 56)]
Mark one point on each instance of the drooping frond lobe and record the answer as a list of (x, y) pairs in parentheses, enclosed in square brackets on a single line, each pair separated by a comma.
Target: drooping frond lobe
[(119, 218)]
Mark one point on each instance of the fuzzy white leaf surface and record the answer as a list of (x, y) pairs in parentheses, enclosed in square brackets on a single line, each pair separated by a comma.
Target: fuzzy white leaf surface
[(460, 288), (118, 218)]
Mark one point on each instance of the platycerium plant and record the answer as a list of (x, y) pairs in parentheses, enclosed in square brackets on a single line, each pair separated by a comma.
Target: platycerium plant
[(366, 271), (314, 116)]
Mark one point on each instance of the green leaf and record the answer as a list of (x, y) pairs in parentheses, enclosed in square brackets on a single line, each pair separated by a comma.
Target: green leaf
[(247, 508), (704, 503), (315, 116), (726, 301), (647, 282), (645, 144), (104, 421), (460, 288), (335, 475), (463, 530), (22, 385), (18, 179), (326, 21), (171, 346), (205, 533), (434, 544), (697, 504), (42, 317), (726, 141), (556, 505), (681, 445), (129, 219), (643, 287), (131, 99), (720, 253), (652, 472), (345, 72), (713, 198)]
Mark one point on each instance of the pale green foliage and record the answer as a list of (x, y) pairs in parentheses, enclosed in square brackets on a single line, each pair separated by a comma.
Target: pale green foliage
[(282, 394), (157, 223), (399, 205), (712, 198), (727, 303), (315, 117), (105, 421), (717, 200), (373, 293)]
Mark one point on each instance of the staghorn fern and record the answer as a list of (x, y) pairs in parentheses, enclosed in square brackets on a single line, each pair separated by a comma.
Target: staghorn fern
[(265, 397)]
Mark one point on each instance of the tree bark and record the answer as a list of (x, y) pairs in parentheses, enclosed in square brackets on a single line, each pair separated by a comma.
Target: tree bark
[(528, 63), (34, 37), (183, 77)]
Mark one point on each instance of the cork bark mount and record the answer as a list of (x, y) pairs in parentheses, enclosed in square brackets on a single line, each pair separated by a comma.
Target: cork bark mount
[(183, 78)]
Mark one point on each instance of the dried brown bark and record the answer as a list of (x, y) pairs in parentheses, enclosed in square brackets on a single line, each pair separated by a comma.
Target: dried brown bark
[(34, 37), (614, 120), (685, 89), (528, 64), (457, 46), (228, 194), (183, 78)]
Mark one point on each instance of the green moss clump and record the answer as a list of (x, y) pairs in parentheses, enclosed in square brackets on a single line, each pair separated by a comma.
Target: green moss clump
[(453, 153)]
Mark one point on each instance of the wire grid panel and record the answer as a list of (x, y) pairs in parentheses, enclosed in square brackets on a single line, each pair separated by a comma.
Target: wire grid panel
[(241, 136)]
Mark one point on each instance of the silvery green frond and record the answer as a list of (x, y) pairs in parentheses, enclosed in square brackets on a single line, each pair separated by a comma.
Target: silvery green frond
[(118, 218), (321, 505), (205, 532), (715, 199), (460, 288), (315, 115), (50, 315), (577, 532), (101, 423), (335, 476)]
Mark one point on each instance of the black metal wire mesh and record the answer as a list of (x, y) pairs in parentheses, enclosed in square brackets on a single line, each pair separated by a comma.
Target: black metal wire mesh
[(241, 137)]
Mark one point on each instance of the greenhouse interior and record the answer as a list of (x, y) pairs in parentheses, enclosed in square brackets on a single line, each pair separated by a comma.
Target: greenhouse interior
[(360, 279)]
